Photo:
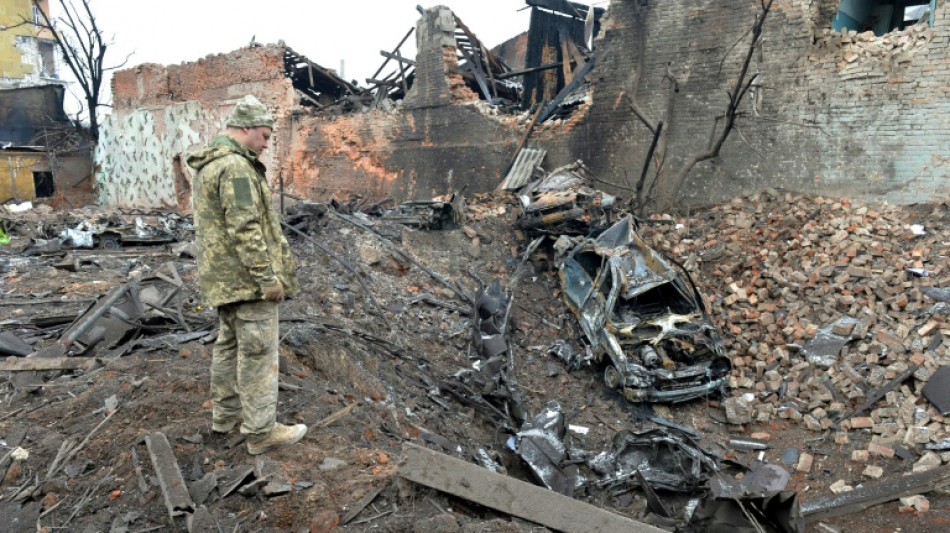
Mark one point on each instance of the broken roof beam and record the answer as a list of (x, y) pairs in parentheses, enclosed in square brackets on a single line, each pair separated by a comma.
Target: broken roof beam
[(297, 66), (564, 7), (395, 51), (476, 70), (393, 82), (397, 57), (862, 498), (496, 66), (511, 496), (579, 75), (527, 71), (386, 83)]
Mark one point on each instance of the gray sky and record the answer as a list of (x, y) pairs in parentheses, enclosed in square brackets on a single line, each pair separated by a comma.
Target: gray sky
[(176, 31)]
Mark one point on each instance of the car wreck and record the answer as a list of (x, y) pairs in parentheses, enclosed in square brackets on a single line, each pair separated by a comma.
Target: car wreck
[(564, 203), (642, 316)]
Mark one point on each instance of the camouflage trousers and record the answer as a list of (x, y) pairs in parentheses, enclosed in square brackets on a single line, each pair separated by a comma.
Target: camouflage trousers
[(244, 366)]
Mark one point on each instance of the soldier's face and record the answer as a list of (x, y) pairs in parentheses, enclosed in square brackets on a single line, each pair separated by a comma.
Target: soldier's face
[(258, 138)]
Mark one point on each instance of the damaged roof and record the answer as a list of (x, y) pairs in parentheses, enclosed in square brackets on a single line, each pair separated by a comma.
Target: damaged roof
[(26, 112)]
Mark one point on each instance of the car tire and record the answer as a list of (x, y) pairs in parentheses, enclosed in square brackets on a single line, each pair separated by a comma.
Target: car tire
[(110, 241), (611, 377)]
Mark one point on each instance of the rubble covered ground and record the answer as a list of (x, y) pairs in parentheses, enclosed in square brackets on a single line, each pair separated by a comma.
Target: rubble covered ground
[(821, 303)]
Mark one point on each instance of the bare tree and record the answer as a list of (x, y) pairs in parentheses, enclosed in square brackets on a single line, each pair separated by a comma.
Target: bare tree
[(80, 40), (667, 183)]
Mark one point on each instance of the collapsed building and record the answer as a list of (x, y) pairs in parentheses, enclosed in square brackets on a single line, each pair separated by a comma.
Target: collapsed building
[(834, 340), (828, 110), (43, 154)]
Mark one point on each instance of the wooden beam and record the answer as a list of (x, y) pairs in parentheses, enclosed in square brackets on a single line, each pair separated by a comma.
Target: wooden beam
[(395, 51), (566, 60), (511, 496), (476, 71), (374, 81), (491, 76), (579, 75), (397, 57), (507, 75), (23, 364), (493, 63), (860, 499)]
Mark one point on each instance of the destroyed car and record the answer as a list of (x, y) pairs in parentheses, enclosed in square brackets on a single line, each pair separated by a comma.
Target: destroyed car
[(114, 234), (443, 212), (642, 317), (563, 203)]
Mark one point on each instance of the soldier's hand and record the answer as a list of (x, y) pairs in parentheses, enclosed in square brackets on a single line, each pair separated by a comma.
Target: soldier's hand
[(273, 293)]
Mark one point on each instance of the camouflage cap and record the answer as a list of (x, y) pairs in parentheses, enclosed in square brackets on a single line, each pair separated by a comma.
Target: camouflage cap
[(250, 113)]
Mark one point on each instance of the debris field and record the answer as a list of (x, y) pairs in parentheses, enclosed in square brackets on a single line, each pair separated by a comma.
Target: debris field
[(446, 380)]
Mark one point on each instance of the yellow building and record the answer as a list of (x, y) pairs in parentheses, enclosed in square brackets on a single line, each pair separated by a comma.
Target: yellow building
[(43, 154), (27, 54)]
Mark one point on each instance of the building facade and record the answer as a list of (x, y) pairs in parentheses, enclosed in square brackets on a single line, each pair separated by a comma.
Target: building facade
[(846, 98), (27, 55)]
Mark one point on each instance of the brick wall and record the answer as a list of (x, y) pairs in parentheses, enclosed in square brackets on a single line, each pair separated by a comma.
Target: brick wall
[(162, 113), (209, 80), (833, 114), (439, 139), (860, 116)]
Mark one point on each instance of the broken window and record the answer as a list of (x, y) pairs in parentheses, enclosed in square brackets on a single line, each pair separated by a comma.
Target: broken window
[(43, 184), (47, 51), (882, 16)]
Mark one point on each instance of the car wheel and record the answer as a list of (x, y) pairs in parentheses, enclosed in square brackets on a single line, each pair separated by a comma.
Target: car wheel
[(110, 241), (611, 377)]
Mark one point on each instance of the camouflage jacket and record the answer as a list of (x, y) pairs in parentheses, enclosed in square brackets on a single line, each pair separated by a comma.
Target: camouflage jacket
[(240, 245)]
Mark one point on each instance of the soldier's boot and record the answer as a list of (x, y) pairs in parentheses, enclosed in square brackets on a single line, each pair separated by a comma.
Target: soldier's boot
[(278, 436), (225, 425)]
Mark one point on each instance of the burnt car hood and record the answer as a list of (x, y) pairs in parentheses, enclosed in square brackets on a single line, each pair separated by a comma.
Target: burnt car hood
[(644, 313)]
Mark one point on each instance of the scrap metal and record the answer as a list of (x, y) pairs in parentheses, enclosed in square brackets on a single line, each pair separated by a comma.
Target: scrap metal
[(434, 214), (666, 458), (937, 389), (540, 444), (563, 203)]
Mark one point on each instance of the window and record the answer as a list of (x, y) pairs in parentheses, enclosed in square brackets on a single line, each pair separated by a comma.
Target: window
[(915, 14), (37, 15), (47, 50), (43, 185), (882, 16)]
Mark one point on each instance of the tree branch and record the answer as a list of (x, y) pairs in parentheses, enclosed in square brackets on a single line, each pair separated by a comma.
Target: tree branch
[(671, 187)]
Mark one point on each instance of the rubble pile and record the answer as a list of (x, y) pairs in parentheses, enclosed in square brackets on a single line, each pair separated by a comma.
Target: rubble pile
[(828, 306), (831, 314), (843, 49)]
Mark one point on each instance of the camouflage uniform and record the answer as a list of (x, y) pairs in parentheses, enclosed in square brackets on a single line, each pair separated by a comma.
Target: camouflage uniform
[(240, 250)]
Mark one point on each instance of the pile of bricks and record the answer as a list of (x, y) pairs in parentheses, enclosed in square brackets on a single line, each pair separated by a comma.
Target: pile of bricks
[(779, 270), (849, 46)]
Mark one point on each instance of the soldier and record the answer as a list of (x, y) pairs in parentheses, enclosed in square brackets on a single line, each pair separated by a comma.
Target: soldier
[(244, 270)]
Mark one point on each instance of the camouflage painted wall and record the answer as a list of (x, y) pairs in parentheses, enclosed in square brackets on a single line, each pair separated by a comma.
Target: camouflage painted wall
[(164, 112)]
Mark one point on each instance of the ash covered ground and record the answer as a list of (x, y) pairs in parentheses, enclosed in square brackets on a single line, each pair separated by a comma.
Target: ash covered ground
[(371, 361)]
